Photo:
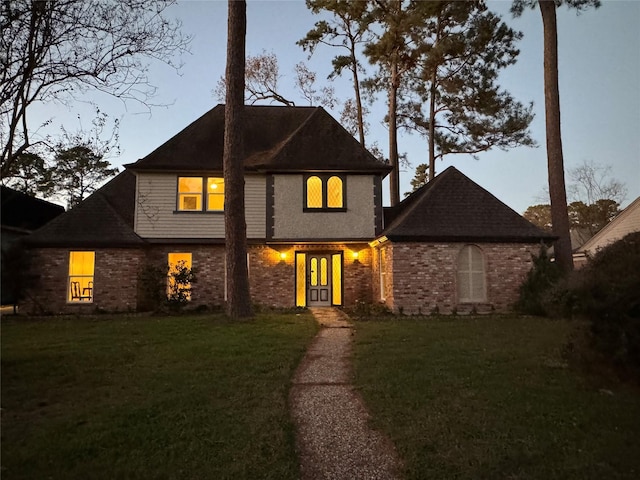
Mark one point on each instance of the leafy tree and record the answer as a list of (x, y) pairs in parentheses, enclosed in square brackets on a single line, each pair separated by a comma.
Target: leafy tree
[(420, 178), (596, 199), (395, 49), (78, 172), (555, 160), (238, 295), (539, 215), (53, 51), (30, 174), (465, 48), (588, 217), (347, 30)]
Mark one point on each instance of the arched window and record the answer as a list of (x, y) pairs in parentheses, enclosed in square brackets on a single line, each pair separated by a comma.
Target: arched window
[(334, 192), (314, 192), (471, 275)]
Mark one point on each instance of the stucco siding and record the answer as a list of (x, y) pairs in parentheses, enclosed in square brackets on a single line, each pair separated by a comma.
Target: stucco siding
[(156, 215), (291, 222)]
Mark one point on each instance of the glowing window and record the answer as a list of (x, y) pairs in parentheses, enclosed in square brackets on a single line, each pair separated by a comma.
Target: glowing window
[(178, 262), (215, 193), (323, 272), (314, 192), (336, 272), (334, 192), (314, 272), (301, 280), (471, 275), (324, 192), (81, 270), (189, 193)]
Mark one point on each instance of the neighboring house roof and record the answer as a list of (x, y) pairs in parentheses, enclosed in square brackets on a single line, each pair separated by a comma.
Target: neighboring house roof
[(22, 212), (452, 207), (104, 219), (626, 222), (277, 139)]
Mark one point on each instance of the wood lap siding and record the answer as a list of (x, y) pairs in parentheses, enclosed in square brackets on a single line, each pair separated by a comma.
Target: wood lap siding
[(156, 207)]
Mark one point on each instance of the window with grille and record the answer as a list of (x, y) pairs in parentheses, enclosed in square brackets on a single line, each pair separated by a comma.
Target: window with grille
[(324, 193), (196, 194), (471, 275)]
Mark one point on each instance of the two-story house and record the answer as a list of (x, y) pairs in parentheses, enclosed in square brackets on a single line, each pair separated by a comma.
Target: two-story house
[(317, 232)]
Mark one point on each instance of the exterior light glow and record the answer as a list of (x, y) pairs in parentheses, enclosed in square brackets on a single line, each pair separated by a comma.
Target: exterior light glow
[(283, 256), (355, 255)]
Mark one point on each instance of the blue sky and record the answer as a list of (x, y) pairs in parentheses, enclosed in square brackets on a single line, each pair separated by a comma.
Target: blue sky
[(599, 66)]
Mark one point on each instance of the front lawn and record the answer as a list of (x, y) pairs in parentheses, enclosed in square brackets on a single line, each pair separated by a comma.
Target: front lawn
[(492, 398), (150, 398)]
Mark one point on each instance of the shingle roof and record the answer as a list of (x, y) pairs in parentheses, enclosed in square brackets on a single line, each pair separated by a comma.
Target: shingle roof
[(454, 208), (104, 219), (24, 212), (277, 138)]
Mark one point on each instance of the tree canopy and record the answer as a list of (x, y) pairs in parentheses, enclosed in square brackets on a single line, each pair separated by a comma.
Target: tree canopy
[(54, 51)]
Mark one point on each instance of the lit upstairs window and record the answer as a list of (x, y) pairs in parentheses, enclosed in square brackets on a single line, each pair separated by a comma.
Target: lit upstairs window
[(190, 193), (196, 194), (314, 192), (324, 193), (215, 193)]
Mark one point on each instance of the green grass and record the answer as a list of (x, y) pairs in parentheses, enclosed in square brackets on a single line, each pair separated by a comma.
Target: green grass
[(491, 398), (150, 398)]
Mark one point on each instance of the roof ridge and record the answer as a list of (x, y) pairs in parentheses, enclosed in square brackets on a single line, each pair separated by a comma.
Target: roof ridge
[(410, 203)]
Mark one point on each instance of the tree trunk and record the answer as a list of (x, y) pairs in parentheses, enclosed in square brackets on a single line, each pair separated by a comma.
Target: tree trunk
[(555, 162), (356, 86), (394, 176), (432, 128), (238, 296)]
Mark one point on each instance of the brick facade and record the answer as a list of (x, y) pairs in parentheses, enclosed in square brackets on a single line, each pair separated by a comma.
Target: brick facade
[(115, 282), (422, 277), (117, 273)]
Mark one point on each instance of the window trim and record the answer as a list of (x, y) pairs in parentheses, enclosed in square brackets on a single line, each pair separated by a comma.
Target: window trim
[(204, 194), (82, 298), (470, 272), (324, 178)]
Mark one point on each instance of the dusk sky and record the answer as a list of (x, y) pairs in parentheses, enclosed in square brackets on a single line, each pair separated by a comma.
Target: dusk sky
[(599, 66)]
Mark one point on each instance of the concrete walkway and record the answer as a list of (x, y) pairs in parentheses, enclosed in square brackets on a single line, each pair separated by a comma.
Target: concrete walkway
[(333, 437)]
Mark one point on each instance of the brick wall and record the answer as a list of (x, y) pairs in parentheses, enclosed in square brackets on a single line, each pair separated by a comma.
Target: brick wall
[(116, 275), (272, 278), (115, 282), (423, 276)]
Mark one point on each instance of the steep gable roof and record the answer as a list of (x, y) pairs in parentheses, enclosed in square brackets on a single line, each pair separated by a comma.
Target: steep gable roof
[(277, 138), (454, 208), (104, 219)]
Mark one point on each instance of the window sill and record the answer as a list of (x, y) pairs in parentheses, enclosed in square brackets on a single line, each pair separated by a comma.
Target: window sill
[(199, 212), (325, 210)]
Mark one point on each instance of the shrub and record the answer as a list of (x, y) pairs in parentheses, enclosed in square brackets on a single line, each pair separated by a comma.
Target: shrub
[(608, 295), (163, 288), (538, 289)]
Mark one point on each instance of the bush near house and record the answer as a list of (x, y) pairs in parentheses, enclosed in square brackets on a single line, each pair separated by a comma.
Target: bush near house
[(605, 293)]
